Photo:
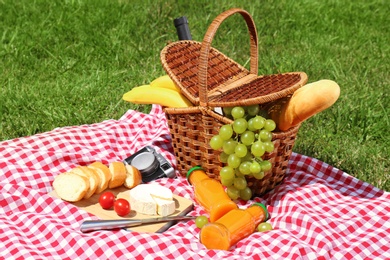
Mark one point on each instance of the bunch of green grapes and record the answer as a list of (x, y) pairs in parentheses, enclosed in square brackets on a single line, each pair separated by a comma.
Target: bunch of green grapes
[(243, 144)]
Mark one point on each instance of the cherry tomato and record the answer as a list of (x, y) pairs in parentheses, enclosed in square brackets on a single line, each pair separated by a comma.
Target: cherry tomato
[(122, 207), (106, 200)]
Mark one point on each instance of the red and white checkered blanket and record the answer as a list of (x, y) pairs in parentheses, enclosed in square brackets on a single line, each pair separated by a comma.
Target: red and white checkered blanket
[(318, 212)]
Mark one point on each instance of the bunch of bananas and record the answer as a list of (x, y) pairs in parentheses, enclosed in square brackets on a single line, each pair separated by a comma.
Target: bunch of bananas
[(162, 91)]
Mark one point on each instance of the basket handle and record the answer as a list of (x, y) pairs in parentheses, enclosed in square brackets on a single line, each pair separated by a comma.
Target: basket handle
[(206, 45)]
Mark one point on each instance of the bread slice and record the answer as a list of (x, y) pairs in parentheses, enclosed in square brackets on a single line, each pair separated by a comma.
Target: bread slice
[(70, 186), (133, 177), (94, 172), (104, 175), (118, 174), (92, 177)]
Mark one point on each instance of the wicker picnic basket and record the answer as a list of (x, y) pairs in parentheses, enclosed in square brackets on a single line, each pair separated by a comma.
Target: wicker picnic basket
[(210, 79)]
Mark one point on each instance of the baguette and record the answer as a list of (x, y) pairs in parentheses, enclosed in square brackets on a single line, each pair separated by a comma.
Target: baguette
[(82, 182), (305, 103), (70, 186), (92, 177), (104, 175), (118, 174), (133, 177)]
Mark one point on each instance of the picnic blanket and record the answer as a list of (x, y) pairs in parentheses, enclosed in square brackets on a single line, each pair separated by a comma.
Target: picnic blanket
[(317, 212)]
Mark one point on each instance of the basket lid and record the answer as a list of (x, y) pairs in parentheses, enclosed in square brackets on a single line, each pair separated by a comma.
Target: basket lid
[(207, 77)]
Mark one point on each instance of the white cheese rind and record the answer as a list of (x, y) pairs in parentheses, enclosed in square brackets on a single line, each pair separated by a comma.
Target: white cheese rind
[(165, 207), (160, 192), (152, 199), (142, 202)]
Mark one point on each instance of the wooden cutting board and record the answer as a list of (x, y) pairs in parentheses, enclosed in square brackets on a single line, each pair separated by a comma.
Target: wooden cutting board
[(91, 205)]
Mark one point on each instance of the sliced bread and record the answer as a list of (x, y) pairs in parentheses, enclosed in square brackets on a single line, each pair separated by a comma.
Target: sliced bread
[(133, 177), (118, 174), (92, 177), (104, 175), (70, 186)]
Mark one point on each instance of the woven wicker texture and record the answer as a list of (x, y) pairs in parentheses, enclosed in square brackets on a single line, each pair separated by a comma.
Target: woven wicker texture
[(208, 78)]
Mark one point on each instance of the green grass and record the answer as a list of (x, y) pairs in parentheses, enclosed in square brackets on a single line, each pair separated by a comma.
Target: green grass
[(69, 62)]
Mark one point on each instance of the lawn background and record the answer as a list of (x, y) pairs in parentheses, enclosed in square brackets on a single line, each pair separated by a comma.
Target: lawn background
[(69, 63)]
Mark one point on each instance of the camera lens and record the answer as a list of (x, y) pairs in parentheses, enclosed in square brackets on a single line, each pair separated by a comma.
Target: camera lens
[(146, 163)]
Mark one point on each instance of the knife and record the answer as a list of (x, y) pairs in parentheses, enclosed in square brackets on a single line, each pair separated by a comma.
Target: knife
[(91, 225)]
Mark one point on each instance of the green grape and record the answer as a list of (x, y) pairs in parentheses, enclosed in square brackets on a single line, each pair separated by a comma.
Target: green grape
[(233, 193), (233, 160), (226, 132), (258, 175), (248, 156), (226, 173), (229, 146), (216, 142), (265, 135), (247, 137), (238, 112), (269, 125), (241, 150), (200, 221), (265, 165), (227, 182), (258, 148), (227, 110), (258, 122), (223, 157), (264, 226), (240, 125), (240, 183), (253, 110), (250, 125), (259, 159), (269, 146), (255, 167), (245, 168), (238, 173), (246, 194)]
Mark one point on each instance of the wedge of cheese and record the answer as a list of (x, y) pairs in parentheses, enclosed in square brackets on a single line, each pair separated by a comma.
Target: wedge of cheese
[(152, 199)]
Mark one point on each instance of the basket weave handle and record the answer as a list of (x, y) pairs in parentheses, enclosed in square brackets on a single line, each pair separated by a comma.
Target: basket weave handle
[(206, 45)]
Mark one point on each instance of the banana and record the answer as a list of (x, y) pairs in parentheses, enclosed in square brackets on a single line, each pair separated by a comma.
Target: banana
[(146, 94), (165, 82)]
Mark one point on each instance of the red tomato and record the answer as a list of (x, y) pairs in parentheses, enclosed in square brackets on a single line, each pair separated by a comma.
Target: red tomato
[(122, 207), (106, 200)]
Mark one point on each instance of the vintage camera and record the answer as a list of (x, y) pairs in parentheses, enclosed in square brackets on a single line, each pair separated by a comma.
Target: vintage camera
[(151, 164)]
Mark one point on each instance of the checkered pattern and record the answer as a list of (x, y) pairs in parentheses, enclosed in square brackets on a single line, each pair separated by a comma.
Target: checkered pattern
[(318, 212)]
